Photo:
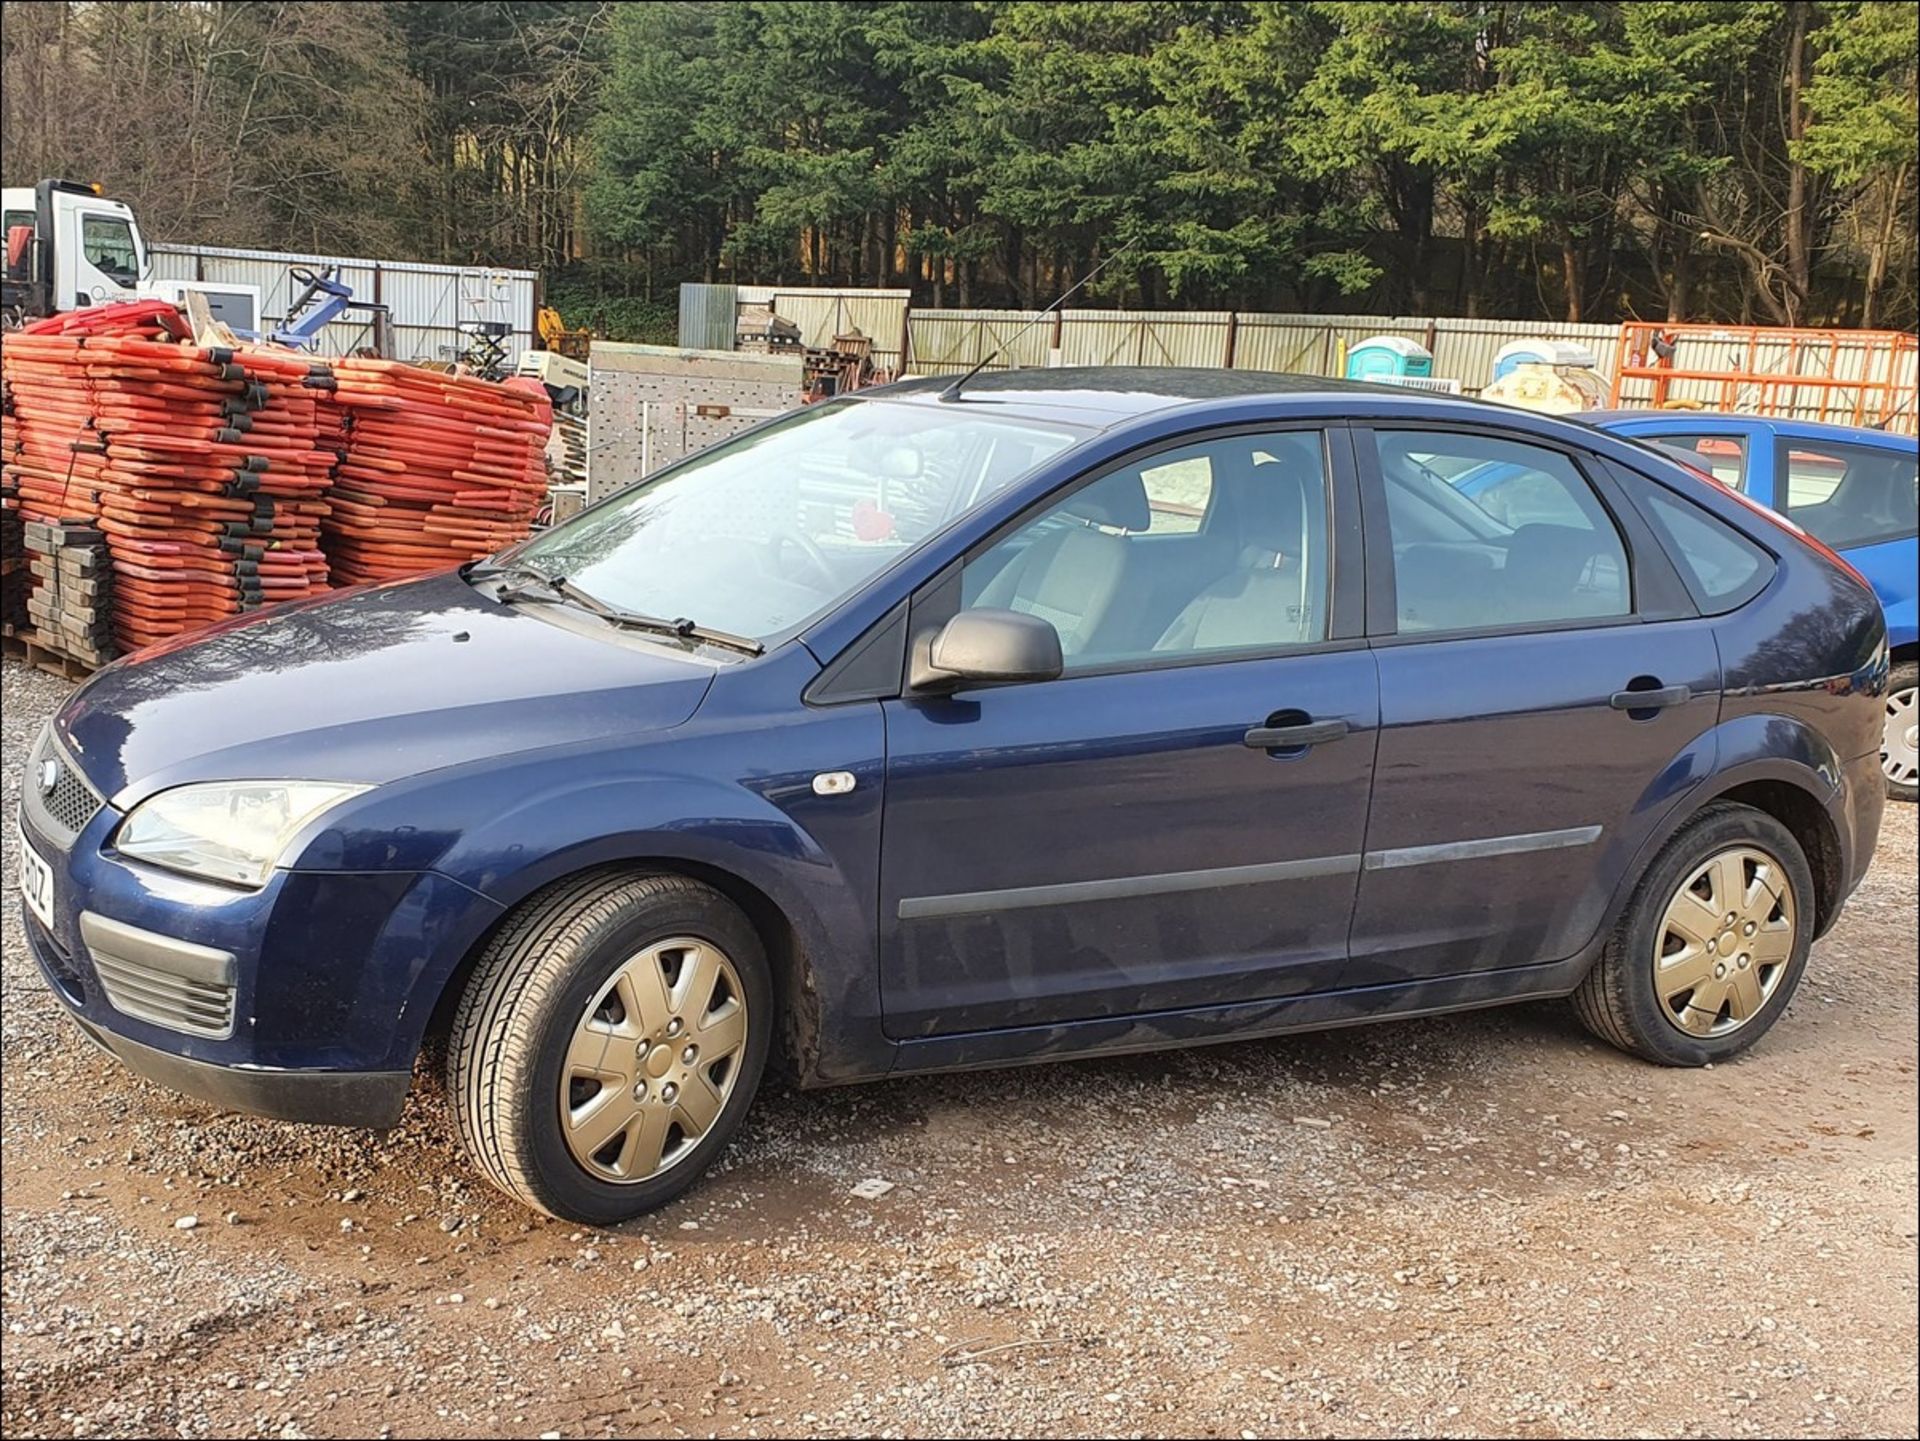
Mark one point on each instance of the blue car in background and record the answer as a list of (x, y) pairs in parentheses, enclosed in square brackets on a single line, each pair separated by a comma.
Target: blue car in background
[(1853, 488), (963, 724)]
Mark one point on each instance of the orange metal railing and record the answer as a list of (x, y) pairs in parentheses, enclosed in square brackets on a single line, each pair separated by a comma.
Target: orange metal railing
[(1847, 377)]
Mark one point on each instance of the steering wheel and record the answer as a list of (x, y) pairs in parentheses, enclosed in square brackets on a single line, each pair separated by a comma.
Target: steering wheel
[(815, 557)]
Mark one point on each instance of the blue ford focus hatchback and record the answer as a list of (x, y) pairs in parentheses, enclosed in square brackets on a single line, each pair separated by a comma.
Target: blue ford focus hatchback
[(1072, 711)]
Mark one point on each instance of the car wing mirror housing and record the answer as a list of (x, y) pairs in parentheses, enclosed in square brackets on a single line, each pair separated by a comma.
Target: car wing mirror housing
[(989, 647)]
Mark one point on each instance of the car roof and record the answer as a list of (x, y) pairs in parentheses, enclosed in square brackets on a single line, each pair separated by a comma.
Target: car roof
[(1781, 424), (1108, 394)]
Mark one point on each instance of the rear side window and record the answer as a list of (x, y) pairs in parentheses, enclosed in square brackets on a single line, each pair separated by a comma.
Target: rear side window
[(1495, 533), (1849, 495), (1722, 568), (1724, 457)]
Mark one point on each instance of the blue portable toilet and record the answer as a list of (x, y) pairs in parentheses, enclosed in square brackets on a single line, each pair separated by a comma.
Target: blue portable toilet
[(1512, 356), (1388, 357)]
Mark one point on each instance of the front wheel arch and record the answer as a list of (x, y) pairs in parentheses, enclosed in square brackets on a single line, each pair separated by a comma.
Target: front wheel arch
[(795, 991)]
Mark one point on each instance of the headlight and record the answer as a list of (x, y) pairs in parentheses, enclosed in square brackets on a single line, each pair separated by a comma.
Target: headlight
[(232, 831)]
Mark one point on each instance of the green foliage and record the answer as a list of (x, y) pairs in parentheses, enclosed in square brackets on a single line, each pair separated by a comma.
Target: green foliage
[(587, 302), (1862, 98), (1584, 159)]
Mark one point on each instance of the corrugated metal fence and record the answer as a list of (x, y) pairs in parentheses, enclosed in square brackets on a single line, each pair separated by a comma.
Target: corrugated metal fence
[(944, 341), (427, 303)]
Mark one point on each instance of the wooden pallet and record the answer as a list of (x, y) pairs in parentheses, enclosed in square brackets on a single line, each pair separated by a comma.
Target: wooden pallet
[(21, 644)]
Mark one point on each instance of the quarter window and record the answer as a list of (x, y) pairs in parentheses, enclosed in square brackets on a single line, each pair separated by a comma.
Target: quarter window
[(1495, 533), (1213, 547), (1849, 495), (1723, 568)]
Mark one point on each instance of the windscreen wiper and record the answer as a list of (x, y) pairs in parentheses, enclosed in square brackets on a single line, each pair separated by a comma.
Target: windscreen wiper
[(558, 587), (475, 570)]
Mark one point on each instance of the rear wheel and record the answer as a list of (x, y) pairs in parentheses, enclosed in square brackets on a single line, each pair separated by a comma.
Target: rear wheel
[(1900, 751), (1712, 945), (609, 1044)]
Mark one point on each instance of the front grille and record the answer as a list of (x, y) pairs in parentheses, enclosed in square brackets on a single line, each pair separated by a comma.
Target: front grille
[(205, 1008), (61, 811)]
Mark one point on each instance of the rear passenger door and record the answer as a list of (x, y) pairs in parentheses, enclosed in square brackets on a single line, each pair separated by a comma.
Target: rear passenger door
[(1516, 603)]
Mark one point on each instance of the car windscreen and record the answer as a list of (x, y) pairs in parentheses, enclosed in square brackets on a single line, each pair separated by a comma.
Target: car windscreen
[(757, 535)]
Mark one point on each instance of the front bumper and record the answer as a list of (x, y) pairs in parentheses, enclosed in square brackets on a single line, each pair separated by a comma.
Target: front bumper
[(306, 1000), (328, 1098), (332, 1098)]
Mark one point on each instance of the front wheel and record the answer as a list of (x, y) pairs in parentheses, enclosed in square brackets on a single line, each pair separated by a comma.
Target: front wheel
[(610, 1043), (1711, 947), (1900, 749)]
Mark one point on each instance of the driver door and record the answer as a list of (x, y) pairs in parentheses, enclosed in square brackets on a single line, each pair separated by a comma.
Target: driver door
[(1124, 839)]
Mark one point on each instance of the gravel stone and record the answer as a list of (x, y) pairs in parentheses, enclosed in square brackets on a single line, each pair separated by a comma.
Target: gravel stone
[(1141, 1246)]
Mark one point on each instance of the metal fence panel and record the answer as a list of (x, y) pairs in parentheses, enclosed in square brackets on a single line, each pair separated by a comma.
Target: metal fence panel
[(1310, 344), (709, 316), (880, 315), (426, 303), (1143, 337), (954, 341), (1463, 350)]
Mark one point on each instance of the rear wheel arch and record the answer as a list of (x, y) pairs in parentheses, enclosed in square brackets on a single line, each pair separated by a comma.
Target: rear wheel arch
[(1801, 812), (1777, 791)]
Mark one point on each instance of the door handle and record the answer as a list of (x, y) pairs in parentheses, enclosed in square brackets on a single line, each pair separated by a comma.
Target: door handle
[(1314, 733), (1659, 699)]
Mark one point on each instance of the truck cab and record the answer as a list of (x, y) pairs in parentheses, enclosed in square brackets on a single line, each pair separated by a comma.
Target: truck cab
[(68, 246)]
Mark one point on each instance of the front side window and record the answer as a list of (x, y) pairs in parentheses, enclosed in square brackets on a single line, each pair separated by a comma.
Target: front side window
[(758, 534), (1724, 457), (1849, 495), (1496, 533), (107, 242), (1212, 547)]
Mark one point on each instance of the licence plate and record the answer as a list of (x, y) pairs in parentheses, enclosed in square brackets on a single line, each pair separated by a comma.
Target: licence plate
[(36, 880)]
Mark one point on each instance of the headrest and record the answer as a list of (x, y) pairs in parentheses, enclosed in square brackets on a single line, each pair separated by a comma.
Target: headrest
[(1119, 502)]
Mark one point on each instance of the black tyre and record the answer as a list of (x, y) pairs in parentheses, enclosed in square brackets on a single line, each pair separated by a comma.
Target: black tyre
[(1900, 750), (609, 1044), (1712, 945)]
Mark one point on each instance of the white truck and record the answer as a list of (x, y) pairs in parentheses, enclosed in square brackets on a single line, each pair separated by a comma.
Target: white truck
[(68, 247)]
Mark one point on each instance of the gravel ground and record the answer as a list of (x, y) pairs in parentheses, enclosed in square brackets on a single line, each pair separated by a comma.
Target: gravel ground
[(1482, 1224)]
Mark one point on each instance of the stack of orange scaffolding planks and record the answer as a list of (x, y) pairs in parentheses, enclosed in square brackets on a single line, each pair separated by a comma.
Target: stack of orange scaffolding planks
[(438, 468), (201, 464)]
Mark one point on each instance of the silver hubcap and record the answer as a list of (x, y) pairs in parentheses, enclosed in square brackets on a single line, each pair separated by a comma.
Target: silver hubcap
[(1724, 943), (1900, 753), (653, 1061)]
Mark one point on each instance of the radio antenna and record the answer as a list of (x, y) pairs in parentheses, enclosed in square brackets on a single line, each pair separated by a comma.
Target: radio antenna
[(952, 392)]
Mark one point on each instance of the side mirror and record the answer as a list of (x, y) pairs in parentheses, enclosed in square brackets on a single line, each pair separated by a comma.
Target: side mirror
[(991, 645)]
